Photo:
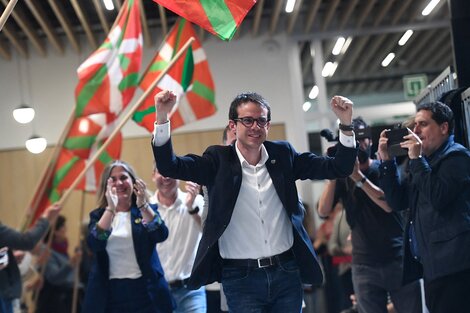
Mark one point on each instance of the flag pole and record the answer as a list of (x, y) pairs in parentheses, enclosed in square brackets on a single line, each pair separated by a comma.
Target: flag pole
[(124, 120), (7, 13), (76, 273), (46, 175)]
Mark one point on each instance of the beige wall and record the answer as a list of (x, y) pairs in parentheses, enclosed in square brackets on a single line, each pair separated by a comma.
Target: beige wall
[(21, 171)]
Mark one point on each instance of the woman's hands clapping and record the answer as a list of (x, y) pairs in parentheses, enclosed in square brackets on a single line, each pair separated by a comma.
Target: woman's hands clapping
[(140, 191), (111, 195)]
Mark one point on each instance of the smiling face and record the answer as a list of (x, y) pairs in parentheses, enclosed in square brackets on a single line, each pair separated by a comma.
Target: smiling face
[(250, 138), (123, 183), (165, 185), (430, 132)]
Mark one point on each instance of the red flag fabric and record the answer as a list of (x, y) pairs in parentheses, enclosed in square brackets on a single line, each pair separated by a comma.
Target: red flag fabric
[(219, 17), (84, 138), (109, 77), (190, 78)]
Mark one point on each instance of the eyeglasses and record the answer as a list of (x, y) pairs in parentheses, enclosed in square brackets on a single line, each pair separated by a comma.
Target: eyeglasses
[(249, 121)]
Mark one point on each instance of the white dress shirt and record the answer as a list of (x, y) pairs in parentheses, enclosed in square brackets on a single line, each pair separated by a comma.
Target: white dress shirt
[(178, 251), (259, 226)]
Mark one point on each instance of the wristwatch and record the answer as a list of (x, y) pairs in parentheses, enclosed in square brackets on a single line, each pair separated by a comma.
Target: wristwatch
[(361, 182), (346, 128)]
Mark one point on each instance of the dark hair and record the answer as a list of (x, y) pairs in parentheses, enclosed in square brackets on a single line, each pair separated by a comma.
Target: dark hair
[(244, 98), (224, 134), (359, 122), (102, 202), (440, 112), (59, 223)]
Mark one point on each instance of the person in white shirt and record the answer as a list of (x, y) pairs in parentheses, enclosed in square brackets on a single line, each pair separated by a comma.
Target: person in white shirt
[(253, 239), (181, 212)]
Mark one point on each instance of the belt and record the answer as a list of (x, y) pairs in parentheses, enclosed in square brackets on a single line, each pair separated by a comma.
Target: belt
[(261, 262), (175, 284)]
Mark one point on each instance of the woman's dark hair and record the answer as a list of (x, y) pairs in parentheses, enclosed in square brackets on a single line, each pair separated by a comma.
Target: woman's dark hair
[(102, 202), (244, 98)]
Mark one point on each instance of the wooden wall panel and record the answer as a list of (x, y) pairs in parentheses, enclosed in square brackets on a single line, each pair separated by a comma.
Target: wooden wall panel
[(21, 171)]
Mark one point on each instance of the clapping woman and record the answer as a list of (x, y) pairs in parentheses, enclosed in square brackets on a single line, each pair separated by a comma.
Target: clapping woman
[(126, 274)]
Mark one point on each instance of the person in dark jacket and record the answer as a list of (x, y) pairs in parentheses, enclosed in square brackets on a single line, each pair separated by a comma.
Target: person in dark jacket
[(10, 279), (253, 239), (376, 234), (437, 192), (56, 294), (126, 276)]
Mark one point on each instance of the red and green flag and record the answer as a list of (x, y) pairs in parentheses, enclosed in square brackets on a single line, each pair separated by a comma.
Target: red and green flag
[(219, 17), (190, 78), (109, 77), (84, 138)]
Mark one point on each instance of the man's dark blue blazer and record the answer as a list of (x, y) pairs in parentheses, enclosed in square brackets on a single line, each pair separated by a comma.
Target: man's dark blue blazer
[(219, 169)]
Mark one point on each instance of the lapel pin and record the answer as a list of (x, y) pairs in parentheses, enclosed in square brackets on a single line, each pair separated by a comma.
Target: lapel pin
[(138, 220), (273, 161)]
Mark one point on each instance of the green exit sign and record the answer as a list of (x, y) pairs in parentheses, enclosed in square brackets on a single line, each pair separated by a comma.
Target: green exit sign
[(413, 84)]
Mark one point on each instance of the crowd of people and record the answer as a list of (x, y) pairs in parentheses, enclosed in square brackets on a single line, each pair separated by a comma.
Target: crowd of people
[(238, 225)]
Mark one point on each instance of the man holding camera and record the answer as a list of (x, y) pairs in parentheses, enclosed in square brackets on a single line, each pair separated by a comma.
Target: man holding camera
[(437, 192), (376, 234)]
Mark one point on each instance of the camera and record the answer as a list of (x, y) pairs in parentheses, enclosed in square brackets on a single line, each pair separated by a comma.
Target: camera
[(362, 132), (395, 136)]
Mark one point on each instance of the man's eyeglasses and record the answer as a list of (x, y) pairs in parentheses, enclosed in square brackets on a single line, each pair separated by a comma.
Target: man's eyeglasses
[(249, 121)]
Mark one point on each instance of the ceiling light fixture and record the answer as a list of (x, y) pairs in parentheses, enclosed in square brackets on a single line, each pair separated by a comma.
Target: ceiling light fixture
[(431, 5), (23, 114), (306, 106), (329, 69), (405, 37), (389, 58), (314, 92), (346, 45), (290, 6), (108, 4), (338, 46), (333, 68), (36, 144)]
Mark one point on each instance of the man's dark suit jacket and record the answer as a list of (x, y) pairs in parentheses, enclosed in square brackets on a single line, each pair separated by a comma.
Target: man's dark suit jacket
[(220, 170)]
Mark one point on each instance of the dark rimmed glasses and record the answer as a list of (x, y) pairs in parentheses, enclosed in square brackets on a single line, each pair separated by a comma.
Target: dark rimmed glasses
[(249, 121)]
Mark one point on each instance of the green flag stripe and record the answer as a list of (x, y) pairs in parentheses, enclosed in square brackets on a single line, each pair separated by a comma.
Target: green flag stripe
[(124, 62), (203, 91), (54, 195), (128, 81), (106, 45), (104, 157), (81, 142), (158, 66), (89, 89), (140, 115), (188, 69), (63, 171), (178, 37), (220, 17)]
